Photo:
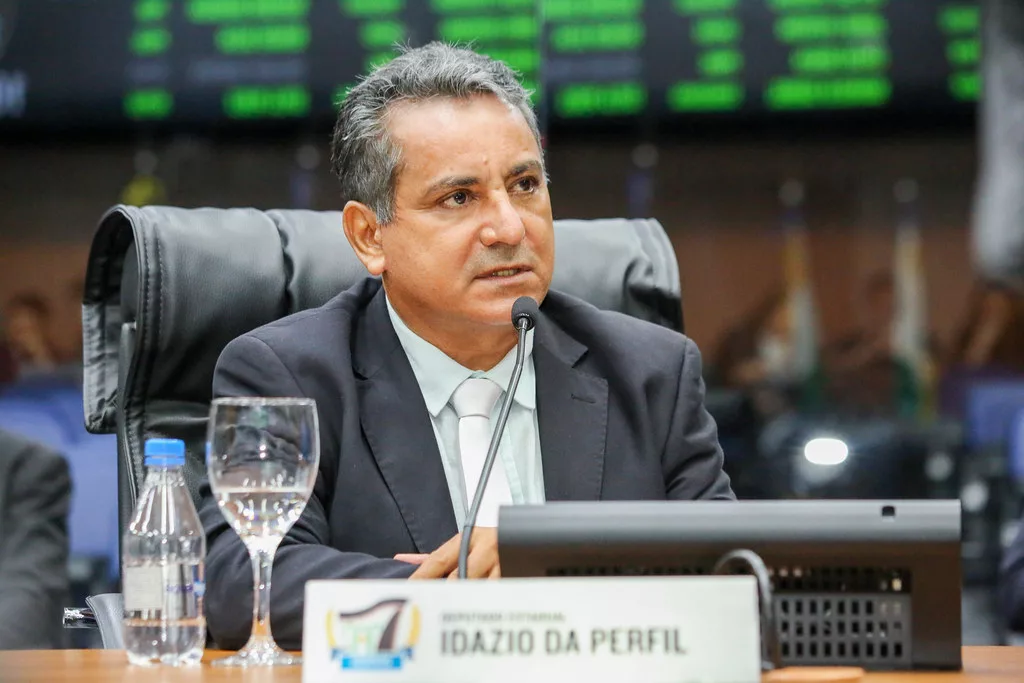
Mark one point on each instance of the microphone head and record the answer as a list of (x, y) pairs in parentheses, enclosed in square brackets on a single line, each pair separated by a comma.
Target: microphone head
[(524, 313)]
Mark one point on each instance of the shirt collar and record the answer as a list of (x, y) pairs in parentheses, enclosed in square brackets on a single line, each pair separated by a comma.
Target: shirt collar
[(439, 376)]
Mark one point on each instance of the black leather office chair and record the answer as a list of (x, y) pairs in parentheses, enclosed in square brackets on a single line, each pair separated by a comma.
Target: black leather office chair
[(168, 288)]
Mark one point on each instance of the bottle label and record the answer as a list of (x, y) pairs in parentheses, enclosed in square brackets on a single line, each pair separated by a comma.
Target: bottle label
[(143, 588)]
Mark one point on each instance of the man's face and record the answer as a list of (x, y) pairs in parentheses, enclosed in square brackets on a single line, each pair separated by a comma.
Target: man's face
[(25, 332), (472, 230)]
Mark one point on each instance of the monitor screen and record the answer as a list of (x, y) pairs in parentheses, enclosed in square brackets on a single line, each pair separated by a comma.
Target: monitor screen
[(68, 65), (865, 583)]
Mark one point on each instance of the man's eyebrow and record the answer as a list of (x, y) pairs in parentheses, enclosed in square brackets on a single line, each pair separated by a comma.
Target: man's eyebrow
[(452, 182), (519, 169)]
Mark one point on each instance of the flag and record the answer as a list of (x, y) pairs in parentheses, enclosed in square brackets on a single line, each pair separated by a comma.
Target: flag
[(805, 366), (910, 347)]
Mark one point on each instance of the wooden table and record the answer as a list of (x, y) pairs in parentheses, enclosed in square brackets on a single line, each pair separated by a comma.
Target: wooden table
[(981, 665)]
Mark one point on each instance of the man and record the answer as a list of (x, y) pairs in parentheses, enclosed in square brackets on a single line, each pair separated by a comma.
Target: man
[(1011, 584), (35, 492), (996, 238), (27, 319), (439, 155)]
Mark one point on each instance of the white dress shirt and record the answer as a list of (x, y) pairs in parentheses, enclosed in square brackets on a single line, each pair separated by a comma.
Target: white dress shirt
[(519, 451)]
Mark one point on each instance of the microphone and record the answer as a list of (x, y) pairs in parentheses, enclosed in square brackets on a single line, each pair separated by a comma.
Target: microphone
[(524, 316)]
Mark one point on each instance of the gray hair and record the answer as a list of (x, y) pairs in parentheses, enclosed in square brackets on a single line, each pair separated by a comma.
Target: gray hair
[(363, 154)]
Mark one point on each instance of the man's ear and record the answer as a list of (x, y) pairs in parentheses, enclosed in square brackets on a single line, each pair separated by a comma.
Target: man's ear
[(363, 233)]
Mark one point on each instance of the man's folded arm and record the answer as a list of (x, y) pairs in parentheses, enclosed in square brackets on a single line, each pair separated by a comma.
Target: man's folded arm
[(248, 367), (693, 458)]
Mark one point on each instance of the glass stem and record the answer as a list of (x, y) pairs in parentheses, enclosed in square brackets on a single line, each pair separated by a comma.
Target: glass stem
[(262, 564)]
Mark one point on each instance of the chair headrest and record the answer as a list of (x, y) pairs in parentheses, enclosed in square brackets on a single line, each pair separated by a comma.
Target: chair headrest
[(179, 284)]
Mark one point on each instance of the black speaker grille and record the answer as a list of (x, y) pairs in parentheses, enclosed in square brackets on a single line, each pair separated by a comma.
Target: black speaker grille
[(844, 628), (826, 615), (626, 571)]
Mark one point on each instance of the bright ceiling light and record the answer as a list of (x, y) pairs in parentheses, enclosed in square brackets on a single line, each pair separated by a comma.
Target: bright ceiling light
[(826, 451)]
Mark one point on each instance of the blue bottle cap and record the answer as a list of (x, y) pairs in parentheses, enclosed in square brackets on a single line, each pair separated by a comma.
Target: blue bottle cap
[(165, 452)]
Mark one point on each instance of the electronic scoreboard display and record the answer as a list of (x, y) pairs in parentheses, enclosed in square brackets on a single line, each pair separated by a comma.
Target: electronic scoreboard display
[(66, 64)]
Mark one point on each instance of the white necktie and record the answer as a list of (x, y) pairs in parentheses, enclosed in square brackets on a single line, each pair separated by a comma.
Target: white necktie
[(473, 401)]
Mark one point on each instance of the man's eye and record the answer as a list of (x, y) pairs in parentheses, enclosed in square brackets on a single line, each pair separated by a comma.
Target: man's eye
[(526, 184), (459, 198)]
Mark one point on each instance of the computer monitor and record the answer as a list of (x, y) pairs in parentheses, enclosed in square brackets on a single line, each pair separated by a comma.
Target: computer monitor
[(865, 583)]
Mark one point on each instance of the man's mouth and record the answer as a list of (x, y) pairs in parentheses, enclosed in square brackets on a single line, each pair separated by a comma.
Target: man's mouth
[(506, 272)]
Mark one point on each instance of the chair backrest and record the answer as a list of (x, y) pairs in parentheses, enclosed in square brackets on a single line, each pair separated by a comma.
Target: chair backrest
[(93, 524), (34, 420), (990, 407), (168, 288), (1015, 449), (60, 394)]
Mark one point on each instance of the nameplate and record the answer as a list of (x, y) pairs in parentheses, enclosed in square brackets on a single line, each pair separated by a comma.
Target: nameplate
[(664, 629)]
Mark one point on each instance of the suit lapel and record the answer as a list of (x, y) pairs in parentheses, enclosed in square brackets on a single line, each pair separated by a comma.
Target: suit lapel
[(572, 413), (397, 427)]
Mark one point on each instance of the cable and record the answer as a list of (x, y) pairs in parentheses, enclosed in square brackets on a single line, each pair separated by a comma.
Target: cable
[(752, 562)]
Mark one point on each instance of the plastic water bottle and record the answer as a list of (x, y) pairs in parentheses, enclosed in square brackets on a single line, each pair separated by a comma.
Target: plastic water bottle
[(164, 554)]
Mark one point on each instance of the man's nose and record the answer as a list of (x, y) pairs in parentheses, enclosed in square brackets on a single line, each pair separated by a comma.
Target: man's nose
[(505, 225)]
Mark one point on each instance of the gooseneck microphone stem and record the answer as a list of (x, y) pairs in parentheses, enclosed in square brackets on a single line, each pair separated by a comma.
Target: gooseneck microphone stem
[(524, 322)]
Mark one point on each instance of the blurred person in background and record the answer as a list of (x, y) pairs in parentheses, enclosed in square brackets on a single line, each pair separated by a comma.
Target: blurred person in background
[(765, 390), (866, 375), (8, 366), (757, 357), (991, 342), (35, 492), (988, 344), (861, 366), (1011, 584), (991, 336), (38, 355), (996, 234), (27, 321)]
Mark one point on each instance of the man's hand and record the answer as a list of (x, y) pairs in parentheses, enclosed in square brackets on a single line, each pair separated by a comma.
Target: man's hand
[(412, 558), (482, 562)]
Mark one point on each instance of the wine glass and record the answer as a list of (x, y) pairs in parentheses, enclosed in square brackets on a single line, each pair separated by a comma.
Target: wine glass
[(262, 456)]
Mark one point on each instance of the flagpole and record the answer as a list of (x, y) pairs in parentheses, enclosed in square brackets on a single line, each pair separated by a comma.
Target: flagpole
[(910, 326)]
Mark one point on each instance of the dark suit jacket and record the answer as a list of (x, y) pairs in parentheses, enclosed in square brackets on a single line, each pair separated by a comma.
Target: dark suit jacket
[(1011, 583), (620, 411), (35, 492)]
